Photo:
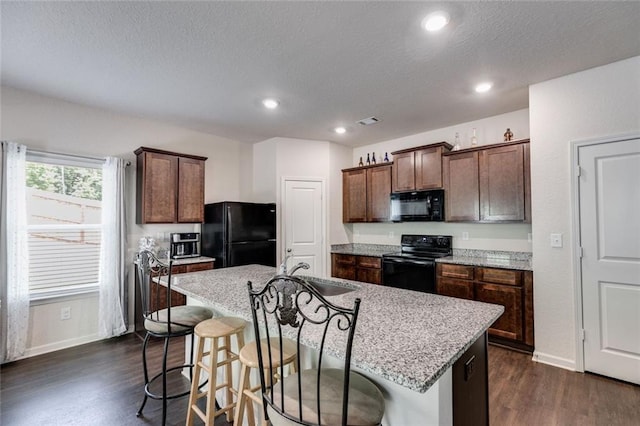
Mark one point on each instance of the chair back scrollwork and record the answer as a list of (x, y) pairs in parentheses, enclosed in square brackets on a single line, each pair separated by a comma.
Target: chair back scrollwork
[(290, 307)]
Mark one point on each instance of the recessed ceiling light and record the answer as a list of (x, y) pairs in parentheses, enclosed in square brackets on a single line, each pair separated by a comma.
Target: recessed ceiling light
[(340, 130), (435, 21), (484, 87), (270, 103)]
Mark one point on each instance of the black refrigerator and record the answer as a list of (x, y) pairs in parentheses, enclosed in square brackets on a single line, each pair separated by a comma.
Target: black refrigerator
[(238, 233)]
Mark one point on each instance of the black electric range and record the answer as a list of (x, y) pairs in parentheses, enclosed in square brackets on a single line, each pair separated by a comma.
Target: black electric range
[(413, 267)]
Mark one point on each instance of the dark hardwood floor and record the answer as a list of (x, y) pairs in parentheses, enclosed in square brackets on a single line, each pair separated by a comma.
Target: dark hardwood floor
[(101, 384)]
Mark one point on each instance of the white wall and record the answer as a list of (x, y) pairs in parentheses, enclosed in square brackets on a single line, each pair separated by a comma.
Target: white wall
[(510, 237), (602, 101), (55, 125), (277, 158)]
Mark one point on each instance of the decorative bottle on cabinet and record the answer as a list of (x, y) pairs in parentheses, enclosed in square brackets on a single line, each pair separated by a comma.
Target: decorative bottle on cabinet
[(360, 164), (373, 158), (368, 160), (474, 139)]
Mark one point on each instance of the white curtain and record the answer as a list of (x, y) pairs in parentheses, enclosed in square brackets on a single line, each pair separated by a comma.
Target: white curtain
[(14, 252), (113, 249)]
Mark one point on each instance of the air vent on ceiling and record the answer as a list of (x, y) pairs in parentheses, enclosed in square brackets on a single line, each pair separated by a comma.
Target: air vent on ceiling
[(367, 121)]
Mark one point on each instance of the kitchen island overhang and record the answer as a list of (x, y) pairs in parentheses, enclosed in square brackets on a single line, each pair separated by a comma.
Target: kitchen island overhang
[(405, 341)]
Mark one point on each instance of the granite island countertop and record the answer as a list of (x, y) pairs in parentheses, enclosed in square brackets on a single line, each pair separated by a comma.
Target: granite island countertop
[(406, 337)]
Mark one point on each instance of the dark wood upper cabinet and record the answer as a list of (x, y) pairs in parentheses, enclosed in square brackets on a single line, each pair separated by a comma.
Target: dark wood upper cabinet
[(190, 190), (418, 169), (366, 194), (169, 187), (404, 178), (429, 168), (378, 192), (488, 184), (462, 202), (354, 195), (502, 184)]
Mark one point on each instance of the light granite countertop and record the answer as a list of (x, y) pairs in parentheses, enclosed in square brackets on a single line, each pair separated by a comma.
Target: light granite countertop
[(192, 260), (406, 337), (374, 250), (493, 259)]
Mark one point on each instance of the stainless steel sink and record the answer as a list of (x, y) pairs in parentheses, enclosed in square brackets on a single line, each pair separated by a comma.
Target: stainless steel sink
[(329, 287)]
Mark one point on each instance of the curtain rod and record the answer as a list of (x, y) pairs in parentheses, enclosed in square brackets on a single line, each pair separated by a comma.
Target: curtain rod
[(83, 157)]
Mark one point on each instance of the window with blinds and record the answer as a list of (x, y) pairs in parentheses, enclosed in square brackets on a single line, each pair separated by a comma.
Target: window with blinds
[(64, 198)]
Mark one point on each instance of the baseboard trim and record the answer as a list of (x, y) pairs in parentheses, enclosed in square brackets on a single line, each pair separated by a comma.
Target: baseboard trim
[(556, 361), (63, 344)]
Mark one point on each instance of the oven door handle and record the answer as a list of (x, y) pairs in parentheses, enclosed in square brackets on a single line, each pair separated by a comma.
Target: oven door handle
[(410, 262)]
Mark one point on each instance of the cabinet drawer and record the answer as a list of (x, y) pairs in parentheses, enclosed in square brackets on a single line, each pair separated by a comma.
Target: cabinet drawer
[(344, 259), (369, 262), (204, 266), (456, 271), (455, 288), (499, 276)]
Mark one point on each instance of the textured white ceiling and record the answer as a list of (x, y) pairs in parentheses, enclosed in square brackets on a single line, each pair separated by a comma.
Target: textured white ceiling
[(207, 65)]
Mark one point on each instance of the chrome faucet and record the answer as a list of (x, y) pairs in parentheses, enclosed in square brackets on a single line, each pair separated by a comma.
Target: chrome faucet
[(282, 270), (301, 265)]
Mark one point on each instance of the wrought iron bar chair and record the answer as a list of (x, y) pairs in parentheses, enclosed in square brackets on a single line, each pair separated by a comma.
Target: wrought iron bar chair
[(290, 307), (161, 320)]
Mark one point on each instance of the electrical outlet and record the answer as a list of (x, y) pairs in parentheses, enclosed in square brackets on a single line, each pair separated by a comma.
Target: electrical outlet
[(556, 240), (392, 234), (465, 236), (65, 313)]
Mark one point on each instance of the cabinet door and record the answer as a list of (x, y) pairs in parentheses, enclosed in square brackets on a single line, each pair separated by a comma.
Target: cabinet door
[(527, 183), (354, 196), (367, 275), (158, 187), (378, 194), (428, 168), (502, 184), (461, 187), (403, 172), (343, 266), (455, 288), (509, 325), (190, 190)]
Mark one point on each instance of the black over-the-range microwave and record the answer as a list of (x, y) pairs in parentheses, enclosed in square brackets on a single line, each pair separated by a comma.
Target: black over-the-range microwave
[(418, 206)]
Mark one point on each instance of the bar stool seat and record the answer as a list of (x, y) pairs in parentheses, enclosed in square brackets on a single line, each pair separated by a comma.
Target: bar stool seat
[(214, 330), (183, 318), (249, 359)]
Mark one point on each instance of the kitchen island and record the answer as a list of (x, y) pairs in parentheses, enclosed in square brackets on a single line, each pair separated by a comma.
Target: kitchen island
[(405, 341)]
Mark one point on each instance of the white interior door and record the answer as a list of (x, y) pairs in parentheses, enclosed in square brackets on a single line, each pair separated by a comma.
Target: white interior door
[(303, 224), (609, 203)]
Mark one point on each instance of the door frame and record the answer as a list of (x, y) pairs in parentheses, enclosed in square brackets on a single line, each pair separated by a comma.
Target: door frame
[(323, 214), (577, 243)]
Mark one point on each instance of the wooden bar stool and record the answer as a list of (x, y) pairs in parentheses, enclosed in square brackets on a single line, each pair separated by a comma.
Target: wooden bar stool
[(219, 332), (248, 360)]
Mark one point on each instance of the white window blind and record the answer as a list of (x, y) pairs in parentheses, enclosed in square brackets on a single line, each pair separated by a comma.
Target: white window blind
[(63, 256), (64, 224)]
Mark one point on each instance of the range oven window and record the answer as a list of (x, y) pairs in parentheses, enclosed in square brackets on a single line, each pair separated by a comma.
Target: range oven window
[(422, 206)]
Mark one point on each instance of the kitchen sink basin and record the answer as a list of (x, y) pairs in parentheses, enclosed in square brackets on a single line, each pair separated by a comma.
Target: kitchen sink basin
[(328, 287)]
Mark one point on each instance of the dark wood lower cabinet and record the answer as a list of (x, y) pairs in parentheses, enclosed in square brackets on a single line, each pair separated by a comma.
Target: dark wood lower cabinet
[(367, 269), (510, 288), (509, 325)]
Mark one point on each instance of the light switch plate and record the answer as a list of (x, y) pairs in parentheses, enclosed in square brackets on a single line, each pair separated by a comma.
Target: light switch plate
[(556, 240)]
